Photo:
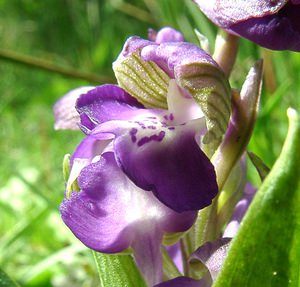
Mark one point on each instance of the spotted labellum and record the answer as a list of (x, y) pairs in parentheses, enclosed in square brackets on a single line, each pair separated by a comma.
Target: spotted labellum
[(140, 172)]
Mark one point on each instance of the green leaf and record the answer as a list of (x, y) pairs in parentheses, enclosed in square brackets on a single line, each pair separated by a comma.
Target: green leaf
[(266, 250), (118, 270), (5, 281)]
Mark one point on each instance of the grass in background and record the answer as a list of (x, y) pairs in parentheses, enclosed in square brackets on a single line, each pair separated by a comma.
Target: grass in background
[(36, 249)]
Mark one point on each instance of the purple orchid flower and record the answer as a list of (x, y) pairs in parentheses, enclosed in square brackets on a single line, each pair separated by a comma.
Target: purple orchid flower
[(271, 24), (140, 170)]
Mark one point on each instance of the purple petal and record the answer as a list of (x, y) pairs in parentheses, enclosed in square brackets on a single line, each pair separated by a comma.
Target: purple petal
[(110, 212), (170, 56), (185, 282), (147, 254), (132, 45), (271, 24), (91, 147), (95, 214), (225, 13), (279, 32), (104, 103), (212, 255), (86, 152), (176, 255), (66, 116), (166, 34), (169, 162)]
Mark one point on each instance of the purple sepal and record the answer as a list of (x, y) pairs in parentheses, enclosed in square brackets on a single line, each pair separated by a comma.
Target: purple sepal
[(65, 114), (185, 282), (105, 103), (212, 255), (170, 57), (171, 165)]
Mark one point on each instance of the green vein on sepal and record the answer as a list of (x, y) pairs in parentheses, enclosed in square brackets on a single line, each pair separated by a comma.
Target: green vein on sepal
[(210, 88), (266, 250), (144, 80)]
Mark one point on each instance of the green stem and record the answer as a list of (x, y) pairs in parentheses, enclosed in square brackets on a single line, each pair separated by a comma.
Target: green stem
[(269, 71), (226, 50), (51, 67)]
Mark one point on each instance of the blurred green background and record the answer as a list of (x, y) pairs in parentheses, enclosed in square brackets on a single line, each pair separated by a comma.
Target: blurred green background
[(36, 249)]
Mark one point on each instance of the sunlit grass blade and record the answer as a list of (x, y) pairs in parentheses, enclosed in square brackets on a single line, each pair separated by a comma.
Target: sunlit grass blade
[(64, 255)]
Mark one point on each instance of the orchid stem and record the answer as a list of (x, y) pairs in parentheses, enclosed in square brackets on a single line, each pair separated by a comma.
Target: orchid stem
[(38, 63), (269, 75), (226, 50)]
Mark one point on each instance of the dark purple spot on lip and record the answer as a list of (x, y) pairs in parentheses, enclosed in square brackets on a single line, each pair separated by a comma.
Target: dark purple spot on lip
[(133, 133), (166, 117), (171, 117), (151, 127), (157, 138), (141, 124), (171, 128)]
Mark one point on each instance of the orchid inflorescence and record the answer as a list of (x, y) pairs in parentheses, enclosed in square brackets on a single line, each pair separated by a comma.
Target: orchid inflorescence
[(161, 171)]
